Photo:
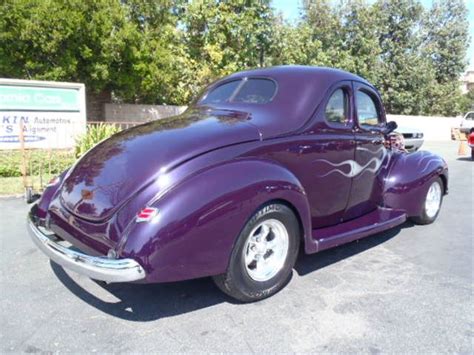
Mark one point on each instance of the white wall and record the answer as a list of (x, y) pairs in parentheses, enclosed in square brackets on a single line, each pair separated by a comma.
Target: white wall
[(139, 113), (434, 128)]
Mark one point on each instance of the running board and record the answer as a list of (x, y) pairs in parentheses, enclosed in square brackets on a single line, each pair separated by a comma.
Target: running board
[(374, 222)]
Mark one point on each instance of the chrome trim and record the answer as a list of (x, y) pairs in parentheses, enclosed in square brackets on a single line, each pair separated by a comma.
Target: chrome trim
[(95, 267)]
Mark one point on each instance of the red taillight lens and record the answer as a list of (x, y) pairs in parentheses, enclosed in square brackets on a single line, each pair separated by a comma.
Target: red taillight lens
[(147, 214), (53, 181)]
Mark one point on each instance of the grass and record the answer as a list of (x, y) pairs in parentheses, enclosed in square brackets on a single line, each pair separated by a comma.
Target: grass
[(41, 166), (14, 185), (11, 186)]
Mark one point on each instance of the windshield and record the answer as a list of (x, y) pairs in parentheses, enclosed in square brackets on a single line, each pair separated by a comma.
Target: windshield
[(254, 91)]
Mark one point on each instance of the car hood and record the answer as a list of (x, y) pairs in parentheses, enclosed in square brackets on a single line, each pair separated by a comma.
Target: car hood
[(119, 167)]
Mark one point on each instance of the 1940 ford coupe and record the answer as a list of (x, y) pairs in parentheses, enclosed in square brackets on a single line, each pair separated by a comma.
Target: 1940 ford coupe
[(264, 163)]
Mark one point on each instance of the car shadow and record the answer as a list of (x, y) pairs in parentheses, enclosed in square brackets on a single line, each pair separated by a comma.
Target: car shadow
[(308, 263), (465, 159), (149, 302)]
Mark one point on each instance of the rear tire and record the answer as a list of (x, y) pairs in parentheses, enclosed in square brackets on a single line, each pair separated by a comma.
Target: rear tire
[(432, 203), (263, 256)]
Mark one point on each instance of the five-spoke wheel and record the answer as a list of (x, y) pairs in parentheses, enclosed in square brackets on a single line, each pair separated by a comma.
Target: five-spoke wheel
[(264, 255), (266, 249), (432, 203)]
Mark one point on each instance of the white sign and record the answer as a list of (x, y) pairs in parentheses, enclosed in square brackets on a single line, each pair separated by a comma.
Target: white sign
[(50, 114)]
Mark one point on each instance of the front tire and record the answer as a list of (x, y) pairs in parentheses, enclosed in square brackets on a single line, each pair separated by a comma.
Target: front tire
[(263, 256), (432, 203)]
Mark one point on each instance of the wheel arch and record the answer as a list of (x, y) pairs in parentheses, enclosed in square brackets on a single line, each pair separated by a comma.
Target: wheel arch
[(409, 178), (298, 217), (202, 217), (444, 179)]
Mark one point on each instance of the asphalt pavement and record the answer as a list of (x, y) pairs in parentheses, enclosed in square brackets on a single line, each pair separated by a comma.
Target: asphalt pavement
[(407, 290)]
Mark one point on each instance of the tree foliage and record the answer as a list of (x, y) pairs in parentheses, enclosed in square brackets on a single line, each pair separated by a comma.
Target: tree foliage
[(165, 51), (87, 41)]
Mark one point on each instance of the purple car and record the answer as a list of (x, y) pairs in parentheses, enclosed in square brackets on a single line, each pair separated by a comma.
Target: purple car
[(265, 163)]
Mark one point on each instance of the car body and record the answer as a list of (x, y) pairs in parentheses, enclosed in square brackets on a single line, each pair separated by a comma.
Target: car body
[(467, 122), (413, 138), (264, 162)]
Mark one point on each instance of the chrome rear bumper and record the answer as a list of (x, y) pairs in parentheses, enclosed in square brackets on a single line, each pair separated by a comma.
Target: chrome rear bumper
[(97, 268)]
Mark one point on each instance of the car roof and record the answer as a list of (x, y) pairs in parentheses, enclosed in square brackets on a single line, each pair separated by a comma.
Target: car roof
[(300, 91), (305, 72)]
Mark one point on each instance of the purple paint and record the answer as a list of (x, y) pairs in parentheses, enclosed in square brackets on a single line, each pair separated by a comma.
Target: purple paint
[(209, 169)]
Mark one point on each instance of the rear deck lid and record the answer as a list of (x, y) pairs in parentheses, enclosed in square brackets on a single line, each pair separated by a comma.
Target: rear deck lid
[(116, 169)]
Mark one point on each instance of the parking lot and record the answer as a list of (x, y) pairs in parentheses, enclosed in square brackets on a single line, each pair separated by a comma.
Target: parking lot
[(406, 290)]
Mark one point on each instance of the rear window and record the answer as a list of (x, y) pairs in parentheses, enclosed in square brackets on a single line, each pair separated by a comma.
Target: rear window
[(251, 91), (222, 93)]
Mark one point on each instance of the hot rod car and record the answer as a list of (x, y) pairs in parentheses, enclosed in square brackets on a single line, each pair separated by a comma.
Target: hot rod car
[(263, 163)]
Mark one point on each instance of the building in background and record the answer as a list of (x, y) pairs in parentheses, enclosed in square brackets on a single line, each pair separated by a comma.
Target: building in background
[(467, 80)]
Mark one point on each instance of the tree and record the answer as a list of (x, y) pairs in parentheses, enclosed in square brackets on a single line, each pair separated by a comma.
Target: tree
[(221, 37), (165, 52), (233, 33), (467, 102), (360, 40), (445, 28), (445, 31), (156, 75), (404, 75), (85, 41), (324, 23)]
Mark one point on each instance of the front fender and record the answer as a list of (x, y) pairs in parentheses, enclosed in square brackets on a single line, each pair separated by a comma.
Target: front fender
[(409, 178), (200, 218)]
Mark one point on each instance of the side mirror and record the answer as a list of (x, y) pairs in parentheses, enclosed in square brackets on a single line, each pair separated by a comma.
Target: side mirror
[(390, 127)]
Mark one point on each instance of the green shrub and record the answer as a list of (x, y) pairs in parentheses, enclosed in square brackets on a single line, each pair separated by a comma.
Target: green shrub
[(95, 134), (52, 162), (38, 162), (10, 164)]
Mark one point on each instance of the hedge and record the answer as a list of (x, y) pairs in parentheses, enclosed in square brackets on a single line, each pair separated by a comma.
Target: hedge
[(39, 162)]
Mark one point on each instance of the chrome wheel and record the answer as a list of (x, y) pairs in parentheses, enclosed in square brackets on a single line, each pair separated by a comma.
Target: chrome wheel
[(266, 250), (433, 200)]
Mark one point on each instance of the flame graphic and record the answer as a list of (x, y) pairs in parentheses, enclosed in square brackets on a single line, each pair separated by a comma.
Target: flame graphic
[(356, 168)]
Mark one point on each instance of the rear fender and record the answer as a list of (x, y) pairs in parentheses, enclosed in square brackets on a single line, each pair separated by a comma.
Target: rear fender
[(200, 218), (409, 178), (48, 195)]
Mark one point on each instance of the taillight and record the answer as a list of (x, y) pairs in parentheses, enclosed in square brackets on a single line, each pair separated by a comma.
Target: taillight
[(147, 214), (54, 181)]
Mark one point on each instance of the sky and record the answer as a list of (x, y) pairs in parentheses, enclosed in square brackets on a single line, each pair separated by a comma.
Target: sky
[(290, 10)]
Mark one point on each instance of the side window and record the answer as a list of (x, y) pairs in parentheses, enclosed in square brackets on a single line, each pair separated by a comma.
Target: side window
[(337, 108), (367, 112)]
